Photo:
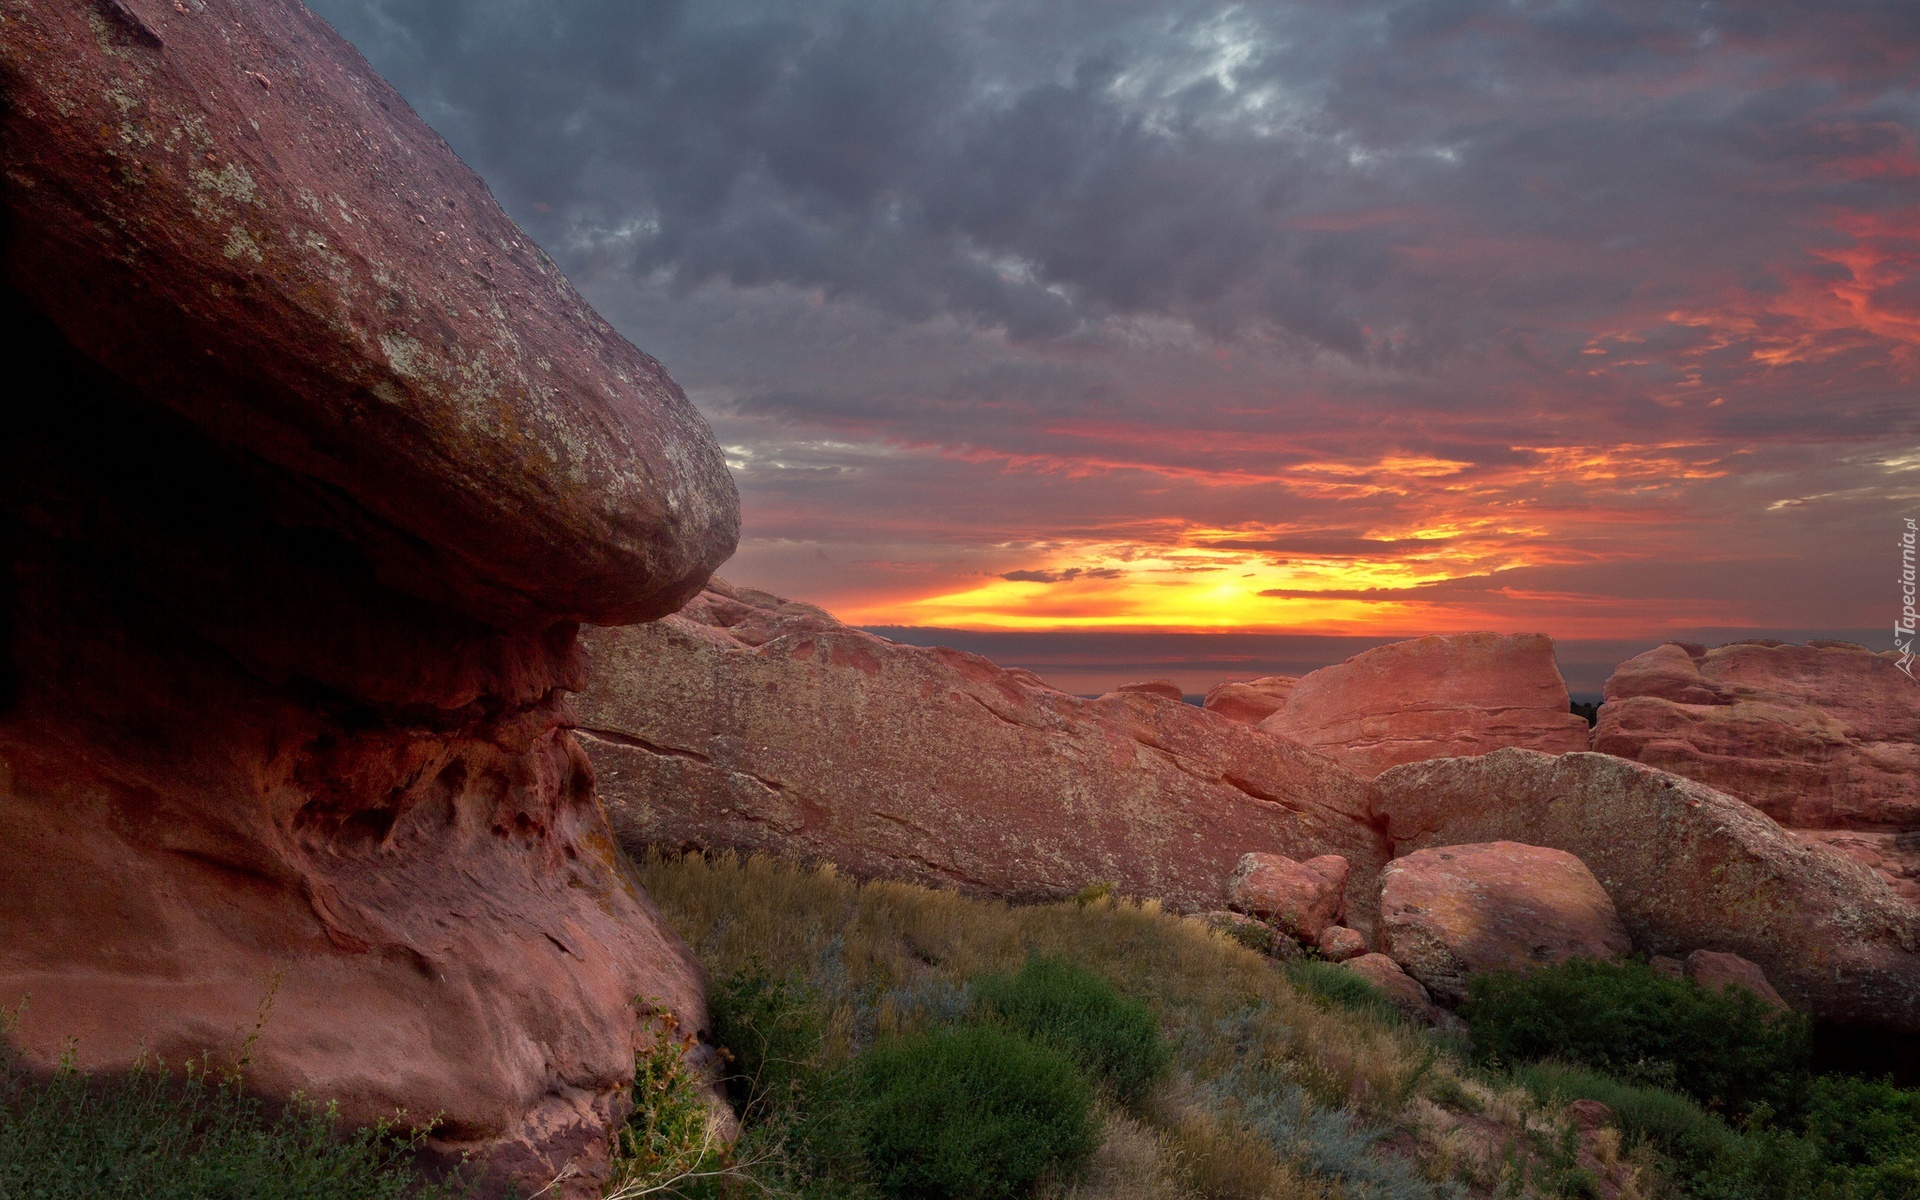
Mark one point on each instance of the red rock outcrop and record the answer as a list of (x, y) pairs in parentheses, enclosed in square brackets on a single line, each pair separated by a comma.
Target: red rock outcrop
[(752, 723), (1166, 689), (1402, 989), (312, 464), (1433, 697), (1714, 971), (1338, 943), (1824, 736), (1686, 866), (1450, 912), (1300, 898), (1249, 701)]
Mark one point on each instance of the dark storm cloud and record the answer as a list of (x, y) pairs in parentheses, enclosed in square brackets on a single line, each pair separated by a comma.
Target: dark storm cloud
[(1615, 277)]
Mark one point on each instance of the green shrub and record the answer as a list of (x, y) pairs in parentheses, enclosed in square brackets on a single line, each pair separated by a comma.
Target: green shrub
[(1869, 1133), (799, 1107), (977, 1113), (151, 1134), (1728, 1050), (669, 1143), (1113, 1037)]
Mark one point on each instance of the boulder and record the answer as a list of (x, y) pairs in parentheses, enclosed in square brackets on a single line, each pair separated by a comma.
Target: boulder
[(1687, 867), (1338, 943), (1249, 701), (1714, 971), (1450, 912), (1166, 689), (1433, 697), (1301, 898), (1402, 989), (1824, 736), (312, 464), (756, 724)]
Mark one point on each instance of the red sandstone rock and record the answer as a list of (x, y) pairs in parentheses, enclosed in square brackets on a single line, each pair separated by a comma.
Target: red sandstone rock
[(1433, 697), (1714, 971), (1686, 867), (1824, 736), (1450, 912), (1250, 701), (751, 723), (1401, 988), (1166, 689), (1338, 943), (312, 461), (304, 270), (1300, 898)]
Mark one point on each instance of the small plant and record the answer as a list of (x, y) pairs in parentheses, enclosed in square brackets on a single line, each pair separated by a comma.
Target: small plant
[(1094, 893), (1728, 1050), (1112, 1037), (977, 1113), (671, 1144)]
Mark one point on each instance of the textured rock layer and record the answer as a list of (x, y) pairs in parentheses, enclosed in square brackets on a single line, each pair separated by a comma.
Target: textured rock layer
[(1686, 866), (1250, 701), (1433, 697), (757, 724)]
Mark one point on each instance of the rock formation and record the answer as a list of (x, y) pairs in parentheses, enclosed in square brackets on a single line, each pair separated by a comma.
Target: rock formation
[(1166, 689), (1687, 867), (1400, 988), (1433, 697), (1714, 971), (1823, 738), (1302, 898), (1453, 911), (313, 462), (760, 724), (1249, 701)]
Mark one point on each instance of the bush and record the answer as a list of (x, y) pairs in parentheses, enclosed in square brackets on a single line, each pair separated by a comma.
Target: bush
[(1729, 1050), (977, 1113), (1870, 1133), (797, 1106), (1113, 1037), (153, 1135)]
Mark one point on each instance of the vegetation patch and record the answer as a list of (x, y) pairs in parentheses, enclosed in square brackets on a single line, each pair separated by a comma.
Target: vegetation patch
[(192, 1134), (1113, 1037)]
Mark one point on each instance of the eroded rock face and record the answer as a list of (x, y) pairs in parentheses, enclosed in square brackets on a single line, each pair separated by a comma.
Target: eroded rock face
[(1824, 736), (1451, 912), (1433, 697), (1250, 701), (752, 723), (1301, 898), (312, 464), (1686, 867)]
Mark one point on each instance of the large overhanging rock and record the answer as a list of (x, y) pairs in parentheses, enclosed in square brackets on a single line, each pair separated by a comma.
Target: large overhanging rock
[(223, 205), (1688, 868), (1433, 697), (750, 723), (1824, 738), (311, 464)]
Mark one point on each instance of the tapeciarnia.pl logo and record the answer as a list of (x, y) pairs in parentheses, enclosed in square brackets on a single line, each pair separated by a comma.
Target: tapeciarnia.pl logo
[(1903, 628)]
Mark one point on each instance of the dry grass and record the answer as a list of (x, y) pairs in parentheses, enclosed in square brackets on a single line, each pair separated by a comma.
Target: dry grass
[(889, 957)]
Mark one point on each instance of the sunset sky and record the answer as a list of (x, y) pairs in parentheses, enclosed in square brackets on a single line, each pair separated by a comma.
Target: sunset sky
[(1324, 318)]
